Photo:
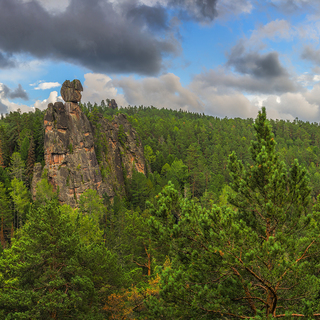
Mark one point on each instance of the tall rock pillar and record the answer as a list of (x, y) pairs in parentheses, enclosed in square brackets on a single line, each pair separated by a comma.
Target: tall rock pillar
[(71, 162)]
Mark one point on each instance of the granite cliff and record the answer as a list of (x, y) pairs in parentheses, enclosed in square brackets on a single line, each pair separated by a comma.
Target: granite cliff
[(82, 154)]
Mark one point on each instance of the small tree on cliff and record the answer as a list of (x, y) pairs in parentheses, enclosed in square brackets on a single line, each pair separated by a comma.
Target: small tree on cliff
[(256, 261)]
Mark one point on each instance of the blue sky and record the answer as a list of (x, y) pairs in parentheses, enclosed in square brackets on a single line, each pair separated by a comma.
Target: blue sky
[(220, 57)]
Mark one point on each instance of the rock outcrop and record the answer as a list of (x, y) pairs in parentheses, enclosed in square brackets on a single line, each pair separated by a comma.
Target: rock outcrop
[(121, 151), (112, 104), (71, 91), (80, 154), (70, 158)]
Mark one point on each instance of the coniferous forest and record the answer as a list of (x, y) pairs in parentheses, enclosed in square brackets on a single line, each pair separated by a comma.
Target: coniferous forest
[(224, 225)]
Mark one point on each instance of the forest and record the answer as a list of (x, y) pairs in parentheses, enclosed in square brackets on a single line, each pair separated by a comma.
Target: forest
[(224, 225)]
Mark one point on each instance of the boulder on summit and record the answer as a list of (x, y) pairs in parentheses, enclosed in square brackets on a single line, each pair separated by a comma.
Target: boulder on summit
[(71, 91)]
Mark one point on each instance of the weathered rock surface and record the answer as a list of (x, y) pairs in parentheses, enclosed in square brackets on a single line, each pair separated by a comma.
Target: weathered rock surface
[(112, 104), (71, 91), (73, 146), (70, 159), (121, 151)]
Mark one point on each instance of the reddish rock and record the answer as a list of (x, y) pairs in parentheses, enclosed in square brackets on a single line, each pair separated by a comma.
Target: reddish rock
[(70, 159)]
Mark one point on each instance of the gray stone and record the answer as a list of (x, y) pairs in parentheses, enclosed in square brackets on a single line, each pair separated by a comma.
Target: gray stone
[(71, 91)]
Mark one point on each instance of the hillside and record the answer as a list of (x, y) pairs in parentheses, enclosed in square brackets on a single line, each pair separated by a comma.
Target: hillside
[(136, 209)]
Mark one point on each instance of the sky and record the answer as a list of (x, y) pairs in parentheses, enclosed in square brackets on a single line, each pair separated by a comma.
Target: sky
[(224, 58)]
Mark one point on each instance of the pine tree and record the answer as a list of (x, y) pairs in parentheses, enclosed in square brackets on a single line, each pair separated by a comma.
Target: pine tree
[(257, 259), (21, 201), (30, 160), (17, 167), (1, 155), (5, 216), (274, 204)]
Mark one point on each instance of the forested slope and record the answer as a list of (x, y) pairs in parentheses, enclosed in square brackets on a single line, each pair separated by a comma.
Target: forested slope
[(203, 144), (228, 237)]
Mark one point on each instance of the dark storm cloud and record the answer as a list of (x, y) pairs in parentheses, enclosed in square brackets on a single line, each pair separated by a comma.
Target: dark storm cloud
[(312, 54), (4, 90), (250, 72), (256, 64), (19, 92), (199, 10), (91, 33), (155, 17), (227, 82)]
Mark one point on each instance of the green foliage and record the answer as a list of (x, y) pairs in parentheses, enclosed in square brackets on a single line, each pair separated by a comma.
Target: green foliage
[(70, 148), (246, 263), (263, 225), (122, 136), (21, 201), (178, 174), (30, 161), (44, 192), (148, 154), (91, 204), (24, 148), (17, 167), (5, 216), (5, 177), (49, 274), (87, 226), (139, 188)]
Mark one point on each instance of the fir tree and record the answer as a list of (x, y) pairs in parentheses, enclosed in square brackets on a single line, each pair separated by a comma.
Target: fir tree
[(17, 167), (1, 155), (30, 160), (5, 216)]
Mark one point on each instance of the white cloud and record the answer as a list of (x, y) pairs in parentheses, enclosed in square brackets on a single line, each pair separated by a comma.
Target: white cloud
[(47, 85), (98, 87), (15, 106), (292, 105), (42, 105), (274, 30), (229, 8), (201, 95), (163, 92)]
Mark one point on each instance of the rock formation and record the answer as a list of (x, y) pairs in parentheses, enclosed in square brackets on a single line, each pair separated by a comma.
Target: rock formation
[(121, 150), (80, 154), (71, 91), (112, 104)]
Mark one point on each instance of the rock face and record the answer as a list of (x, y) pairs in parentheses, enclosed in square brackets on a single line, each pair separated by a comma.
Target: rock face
[(71, 91), (112, 104), (71, 163), (121, 151), (79, 154)]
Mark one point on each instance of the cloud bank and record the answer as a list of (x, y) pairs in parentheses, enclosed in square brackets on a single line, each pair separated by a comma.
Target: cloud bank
[(90, 33)]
